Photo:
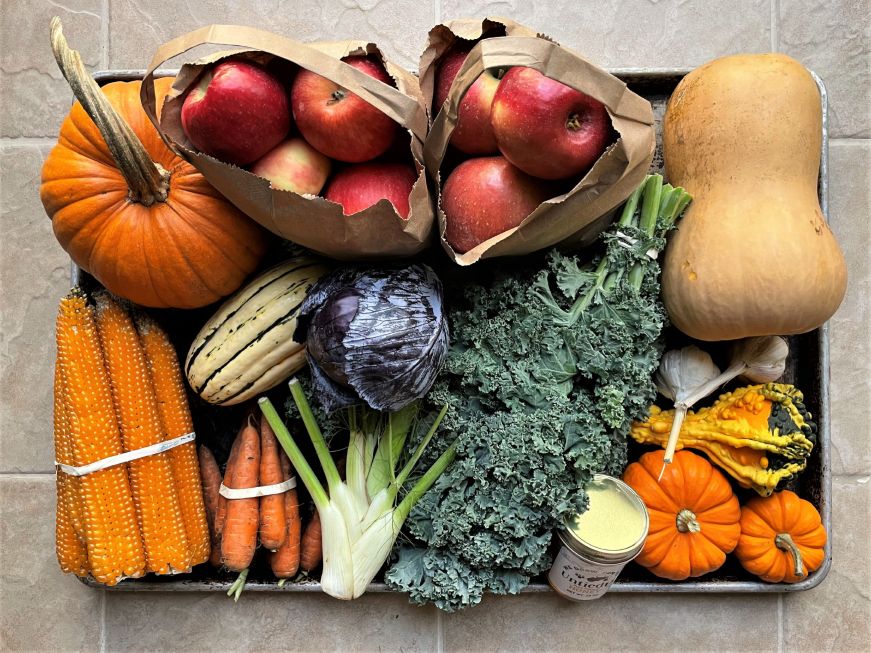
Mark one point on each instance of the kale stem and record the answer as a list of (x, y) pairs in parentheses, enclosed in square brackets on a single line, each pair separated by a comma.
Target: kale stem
[(613, 279), (584, 302), (650, 204), (651, 208), (631, 204), (604, 276)]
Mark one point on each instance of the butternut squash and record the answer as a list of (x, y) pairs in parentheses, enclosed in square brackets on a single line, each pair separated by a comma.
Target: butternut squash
[(753, 255)]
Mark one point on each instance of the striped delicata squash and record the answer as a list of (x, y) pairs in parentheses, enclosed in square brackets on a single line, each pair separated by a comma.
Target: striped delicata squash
[(247, 347)]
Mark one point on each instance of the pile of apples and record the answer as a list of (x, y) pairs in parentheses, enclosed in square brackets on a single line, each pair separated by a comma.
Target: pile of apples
[(527, 135), (307, 135)]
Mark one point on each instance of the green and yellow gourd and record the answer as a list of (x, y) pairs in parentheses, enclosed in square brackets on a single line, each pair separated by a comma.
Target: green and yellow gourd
[(247, 347), (761, 435)]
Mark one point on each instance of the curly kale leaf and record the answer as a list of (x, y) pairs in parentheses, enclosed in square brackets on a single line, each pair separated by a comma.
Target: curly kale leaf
[(546, 371)]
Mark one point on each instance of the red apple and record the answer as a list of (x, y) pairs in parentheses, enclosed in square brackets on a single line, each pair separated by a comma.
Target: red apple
[(472, 133), (237, 112), (358, 187), (337, 122), (545, 128), (484, 197), (294, 165)]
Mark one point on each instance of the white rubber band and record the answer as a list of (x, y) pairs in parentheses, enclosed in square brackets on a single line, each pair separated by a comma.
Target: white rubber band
[(260, 491), (626, 242), (126, 457)]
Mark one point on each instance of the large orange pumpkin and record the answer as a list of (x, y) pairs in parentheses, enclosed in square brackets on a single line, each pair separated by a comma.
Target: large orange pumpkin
[(782, 538), (693, 514), (141, 220)]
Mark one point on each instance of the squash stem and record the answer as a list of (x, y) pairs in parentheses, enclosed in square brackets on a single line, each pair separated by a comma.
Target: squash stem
[(686, 521), (680, 412), (147, 181), (784, 542)]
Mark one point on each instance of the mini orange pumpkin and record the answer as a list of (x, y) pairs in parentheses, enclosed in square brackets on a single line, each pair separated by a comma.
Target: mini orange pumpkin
[(129, 211), (693, 514), (782, 538)]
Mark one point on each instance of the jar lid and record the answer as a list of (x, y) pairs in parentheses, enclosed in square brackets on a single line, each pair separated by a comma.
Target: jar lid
[(613, 528)]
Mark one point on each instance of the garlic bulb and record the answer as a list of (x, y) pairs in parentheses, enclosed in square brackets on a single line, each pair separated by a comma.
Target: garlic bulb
[(687, 375), (761, 360), (681, 373), (764, 358)]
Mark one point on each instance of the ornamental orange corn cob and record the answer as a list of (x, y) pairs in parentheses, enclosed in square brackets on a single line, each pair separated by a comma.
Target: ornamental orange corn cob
[(157, 505), (175, 416), (114, 546), (69, 546)]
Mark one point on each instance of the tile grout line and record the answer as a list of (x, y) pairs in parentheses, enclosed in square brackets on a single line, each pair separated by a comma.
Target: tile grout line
[(25, 476), (104, 35), (26, 141), (103, 637), (775, 14), (780, 623), (437, 11), (440, 632)]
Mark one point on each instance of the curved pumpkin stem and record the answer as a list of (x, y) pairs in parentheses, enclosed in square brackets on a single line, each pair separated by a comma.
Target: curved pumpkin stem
[(686, 521), (784, 542), (148, 182)]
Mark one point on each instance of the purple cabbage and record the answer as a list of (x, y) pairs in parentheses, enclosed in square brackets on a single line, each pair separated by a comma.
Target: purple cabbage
[(376, 335)]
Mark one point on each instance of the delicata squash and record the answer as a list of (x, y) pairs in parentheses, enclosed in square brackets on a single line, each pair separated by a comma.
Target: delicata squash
[(761, 435)]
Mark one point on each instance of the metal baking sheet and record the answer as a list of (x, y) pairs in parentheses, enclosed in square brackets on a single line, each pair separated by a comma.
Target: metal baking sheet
[(807, 367)]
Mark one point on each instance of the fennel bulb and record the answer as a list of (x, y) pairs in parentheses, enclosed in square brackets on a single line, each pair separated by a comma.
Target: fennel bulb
[(360, 517)]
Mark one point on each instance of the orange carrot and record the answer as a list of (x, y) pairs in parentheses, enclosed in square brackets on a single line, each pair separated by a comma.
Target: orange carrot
[(311, 549), (211, 476), (272, 514), (285, 561), (221, 511), (239, 535)]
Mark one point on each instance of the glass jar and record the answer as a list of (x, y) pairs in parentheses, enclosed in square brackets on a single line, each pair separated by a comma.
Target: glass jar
[(598, 543)]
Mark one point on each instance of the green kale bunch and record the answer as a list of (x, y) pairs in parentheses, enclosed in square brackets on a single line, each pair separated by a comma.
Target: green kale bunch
[(546, 372)]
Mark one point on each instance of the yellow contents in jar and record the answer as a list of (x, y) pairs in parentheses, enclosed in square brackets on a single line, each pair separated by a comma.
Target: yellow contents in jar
[(614, 521)]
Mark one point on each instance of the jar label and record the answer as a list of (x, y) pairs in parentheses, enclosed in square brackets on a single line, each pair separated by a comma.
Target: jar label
[(580, 579)]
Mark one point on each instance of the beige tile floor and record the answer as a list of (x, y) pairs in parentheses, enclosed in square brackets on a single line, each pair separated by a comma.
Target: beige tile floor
[(41, 610)]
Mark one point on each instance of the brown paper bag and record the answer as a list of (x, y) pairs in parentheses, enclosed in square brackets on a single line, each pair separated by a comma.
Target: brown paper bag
[(313, 222), (578, 215)]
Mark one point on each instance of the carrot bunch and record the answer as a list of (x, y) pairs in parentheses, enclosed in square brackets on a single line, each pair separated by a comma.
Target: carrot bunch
[(118, 388), (238, 525)]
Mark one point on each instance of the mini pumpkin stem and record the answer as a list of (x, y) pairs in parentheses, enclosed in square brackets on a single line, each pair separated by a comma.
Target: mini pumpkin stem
[(148, 182), (784, 542), (686, 522)]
